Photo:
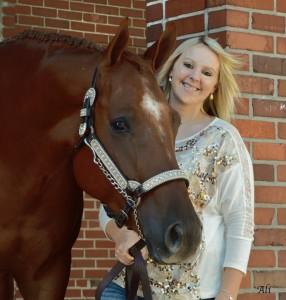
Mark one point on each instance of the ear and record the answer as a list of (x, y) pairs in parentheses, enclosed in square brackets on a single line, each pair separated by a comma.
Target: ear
[(160, 51), (118, 44)]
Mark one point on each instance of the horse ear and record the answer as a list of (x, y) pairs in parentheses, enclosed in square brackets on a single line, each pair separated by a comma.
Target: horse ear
[(118, 44), (160, 51)]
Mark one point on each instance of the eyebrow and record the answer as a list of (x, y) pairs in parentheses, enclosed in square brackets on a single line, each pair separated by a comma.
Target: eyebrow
[(210, 68)]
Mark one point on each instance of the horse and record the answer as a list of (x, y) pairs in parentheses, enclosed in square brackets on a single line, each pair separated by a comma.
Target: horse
[(55, 111)]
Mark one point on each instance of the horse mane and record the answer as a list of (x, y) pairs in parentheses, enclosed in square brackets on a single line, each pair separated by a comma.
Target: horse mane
[(53, 37), (69, 41)]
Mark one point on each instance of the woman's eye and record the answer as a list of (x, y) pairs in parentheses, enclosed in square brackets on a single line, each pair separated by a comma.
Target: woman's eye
[(207, 73), (188, 65), (120, 126)]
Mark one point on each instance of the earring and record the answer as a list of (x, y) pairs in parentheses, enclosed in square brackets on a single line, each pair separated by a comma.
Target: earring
[(170, 78), (211, 97)]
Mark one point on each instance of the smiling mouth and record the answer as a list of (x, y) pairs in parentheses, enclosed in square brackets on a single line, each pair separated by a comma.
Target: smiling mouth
[(193, 88)]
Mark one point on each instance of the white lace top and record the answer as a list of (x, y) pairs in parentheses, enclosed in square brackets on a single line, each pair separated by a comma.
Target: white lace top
[(222, 190)]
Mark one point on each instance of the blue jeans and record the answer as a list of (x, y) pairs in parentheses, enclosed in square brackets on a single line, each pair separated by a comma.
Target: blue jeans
[(114, 292)]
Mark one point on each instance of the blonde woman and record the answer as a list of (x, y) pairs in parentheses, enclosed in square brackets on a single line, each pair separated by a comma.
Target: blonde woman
[(199, 84)]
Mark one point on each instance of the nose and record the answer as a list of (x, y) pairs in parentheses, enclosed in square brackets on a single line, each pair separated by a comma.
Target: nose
[(194, 74)]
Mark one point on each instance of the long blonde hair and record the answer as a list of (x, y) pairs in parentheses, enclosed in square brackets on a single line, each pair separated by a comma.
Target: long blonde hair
[(227, 92)]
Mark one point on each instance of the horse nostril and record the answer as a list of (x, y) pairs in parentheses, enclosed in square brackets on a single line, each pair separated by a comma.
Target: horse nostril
[(173, 237)]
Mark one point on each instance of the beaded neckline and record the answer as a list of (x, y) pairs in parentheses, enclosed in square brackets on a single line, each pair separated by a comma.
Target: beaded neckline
[(192, 140)]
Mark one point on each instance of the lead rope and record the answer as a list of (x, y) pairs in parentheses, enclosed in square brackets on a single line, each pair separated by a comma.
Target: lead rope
[(134, 274)]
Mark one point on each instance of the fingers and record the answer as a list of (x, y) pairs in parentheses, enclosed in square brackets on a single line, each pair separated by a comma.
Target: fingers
[(145, 253), (123, 256)]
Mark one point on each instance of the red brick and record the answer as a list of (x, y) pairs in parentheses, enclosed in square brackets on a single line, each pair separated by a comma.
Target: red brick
[(8, 10), (270, 194), (282, 296), (32, 2), (282, 130), (221, 37), (280, 6), (95, 19), (8, 21), (227, 17), (95, 274), (131, 13), (104, 244), (242, 107), (139, 4), (153, 32), (154, 12), (82, 26), (98, 38), (255, 85), (281, 45), (255, 129), (190, 25), (268, 22), (106, 28), (269, 108), (263, 172), (281, 215), (269, 65), (97, 253), (270, 237), (256, 296), (261, 4), (105, 263), (248, 41), (69, 15), (282, 258), (123, 3), (269, 151), (282, 87), (106, 10), (56, 23), (276, 279), (30, 20), (244, 58), (57, 4), (281, 173), (177, 8), (263, 216), (262, 259), (82, 7), (23, 10), (92, 234), (44, 12)]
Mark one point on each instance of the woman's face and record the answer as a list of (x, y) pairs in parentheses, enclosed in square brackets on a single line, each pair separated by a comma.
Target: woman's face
[(194, 76)]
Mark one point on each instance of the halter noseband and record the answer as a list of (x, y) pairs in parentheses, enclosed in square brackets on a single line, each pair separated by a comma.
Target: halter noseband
[(131, 190)]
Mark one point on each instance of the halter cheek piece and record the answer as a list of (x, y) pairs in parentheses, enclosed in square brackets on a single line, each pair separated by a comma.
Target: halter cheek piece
[(131, 190)]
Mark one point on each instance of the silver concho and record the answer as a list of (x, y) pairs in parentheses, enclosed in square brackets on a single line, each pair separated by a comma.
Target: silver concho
[(91, 95), (82, 129)]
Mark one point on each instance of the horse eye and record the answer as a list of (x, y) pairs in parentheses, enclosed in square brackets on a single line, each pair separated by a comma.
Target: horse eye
[(120, 126)]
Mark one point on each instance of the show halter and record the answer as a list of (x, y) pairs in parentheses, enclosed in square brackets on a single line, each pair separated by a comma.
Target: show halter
[(131, 190)]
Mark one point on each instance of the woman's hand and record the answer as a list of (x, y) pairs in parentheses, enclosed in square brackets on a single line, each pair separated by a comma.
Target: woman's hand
[(124, 239)]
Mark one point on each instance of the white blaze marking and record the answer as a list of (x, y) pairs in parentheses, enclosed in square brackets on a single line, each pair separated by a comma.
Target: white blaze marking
[(154, 112), (152, 107)]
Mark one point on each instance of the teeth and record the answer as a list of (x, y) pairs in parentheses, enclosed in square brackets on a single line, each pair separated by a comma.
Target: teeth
[(193, 88)]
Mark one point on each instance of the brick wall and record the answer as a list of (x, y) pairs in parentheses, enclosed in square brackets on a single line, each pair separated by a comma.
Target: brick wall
[(80, 18), (95, 20), (256, 31), (253, 29)]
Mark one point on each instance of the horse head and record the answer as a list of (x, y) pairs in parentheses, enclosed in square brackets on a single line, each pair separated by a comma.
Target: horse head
[(137, 128)]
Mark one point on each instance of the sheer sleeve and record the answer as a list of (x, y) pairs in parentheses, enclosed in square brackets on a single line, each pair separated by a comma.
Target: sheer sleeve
[(236, 193)]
